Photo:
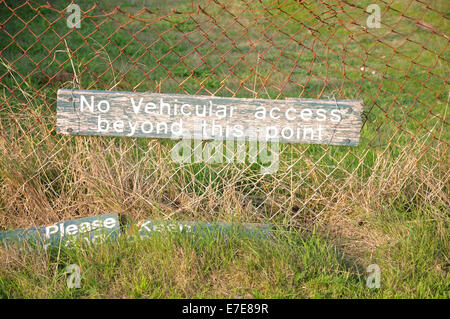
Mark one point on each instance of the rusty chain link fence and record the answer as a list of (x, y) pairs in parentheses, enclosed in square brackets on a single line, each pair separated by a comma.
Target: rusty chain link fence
[(255, 49)]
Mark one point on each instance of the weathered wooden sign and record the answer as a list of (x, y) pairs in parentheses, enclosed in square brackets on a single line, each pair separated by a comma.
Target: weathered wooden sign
[(109, 113)]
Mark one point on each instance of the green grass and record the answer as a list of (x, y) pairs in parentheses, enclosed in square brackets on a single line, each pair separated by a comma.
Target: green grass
[(291, 264)]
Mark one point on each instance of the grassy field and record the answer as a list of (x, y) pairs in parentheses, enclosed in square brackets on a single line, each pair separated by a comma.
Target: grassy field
[(288, 265), (383, 202)]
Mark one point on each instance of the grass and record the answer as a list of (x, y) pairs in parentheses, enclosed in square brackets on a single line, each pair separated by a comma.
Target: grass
[(384, 202), (291, 264)]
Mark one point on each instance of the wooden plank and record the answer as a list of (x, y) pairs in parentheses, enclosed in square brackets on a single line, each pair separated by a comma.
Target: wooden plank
[(110, 113)]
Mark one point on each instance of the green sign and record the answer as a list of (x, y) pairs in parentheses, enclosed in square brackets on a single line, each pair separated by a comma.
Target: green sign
[(148, 228), (90, 230), (94, 230)]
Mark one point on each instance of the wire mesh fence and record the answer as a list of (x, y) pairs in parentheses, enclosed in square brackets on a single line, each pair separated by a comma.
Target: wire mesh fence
[(396, 62)]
